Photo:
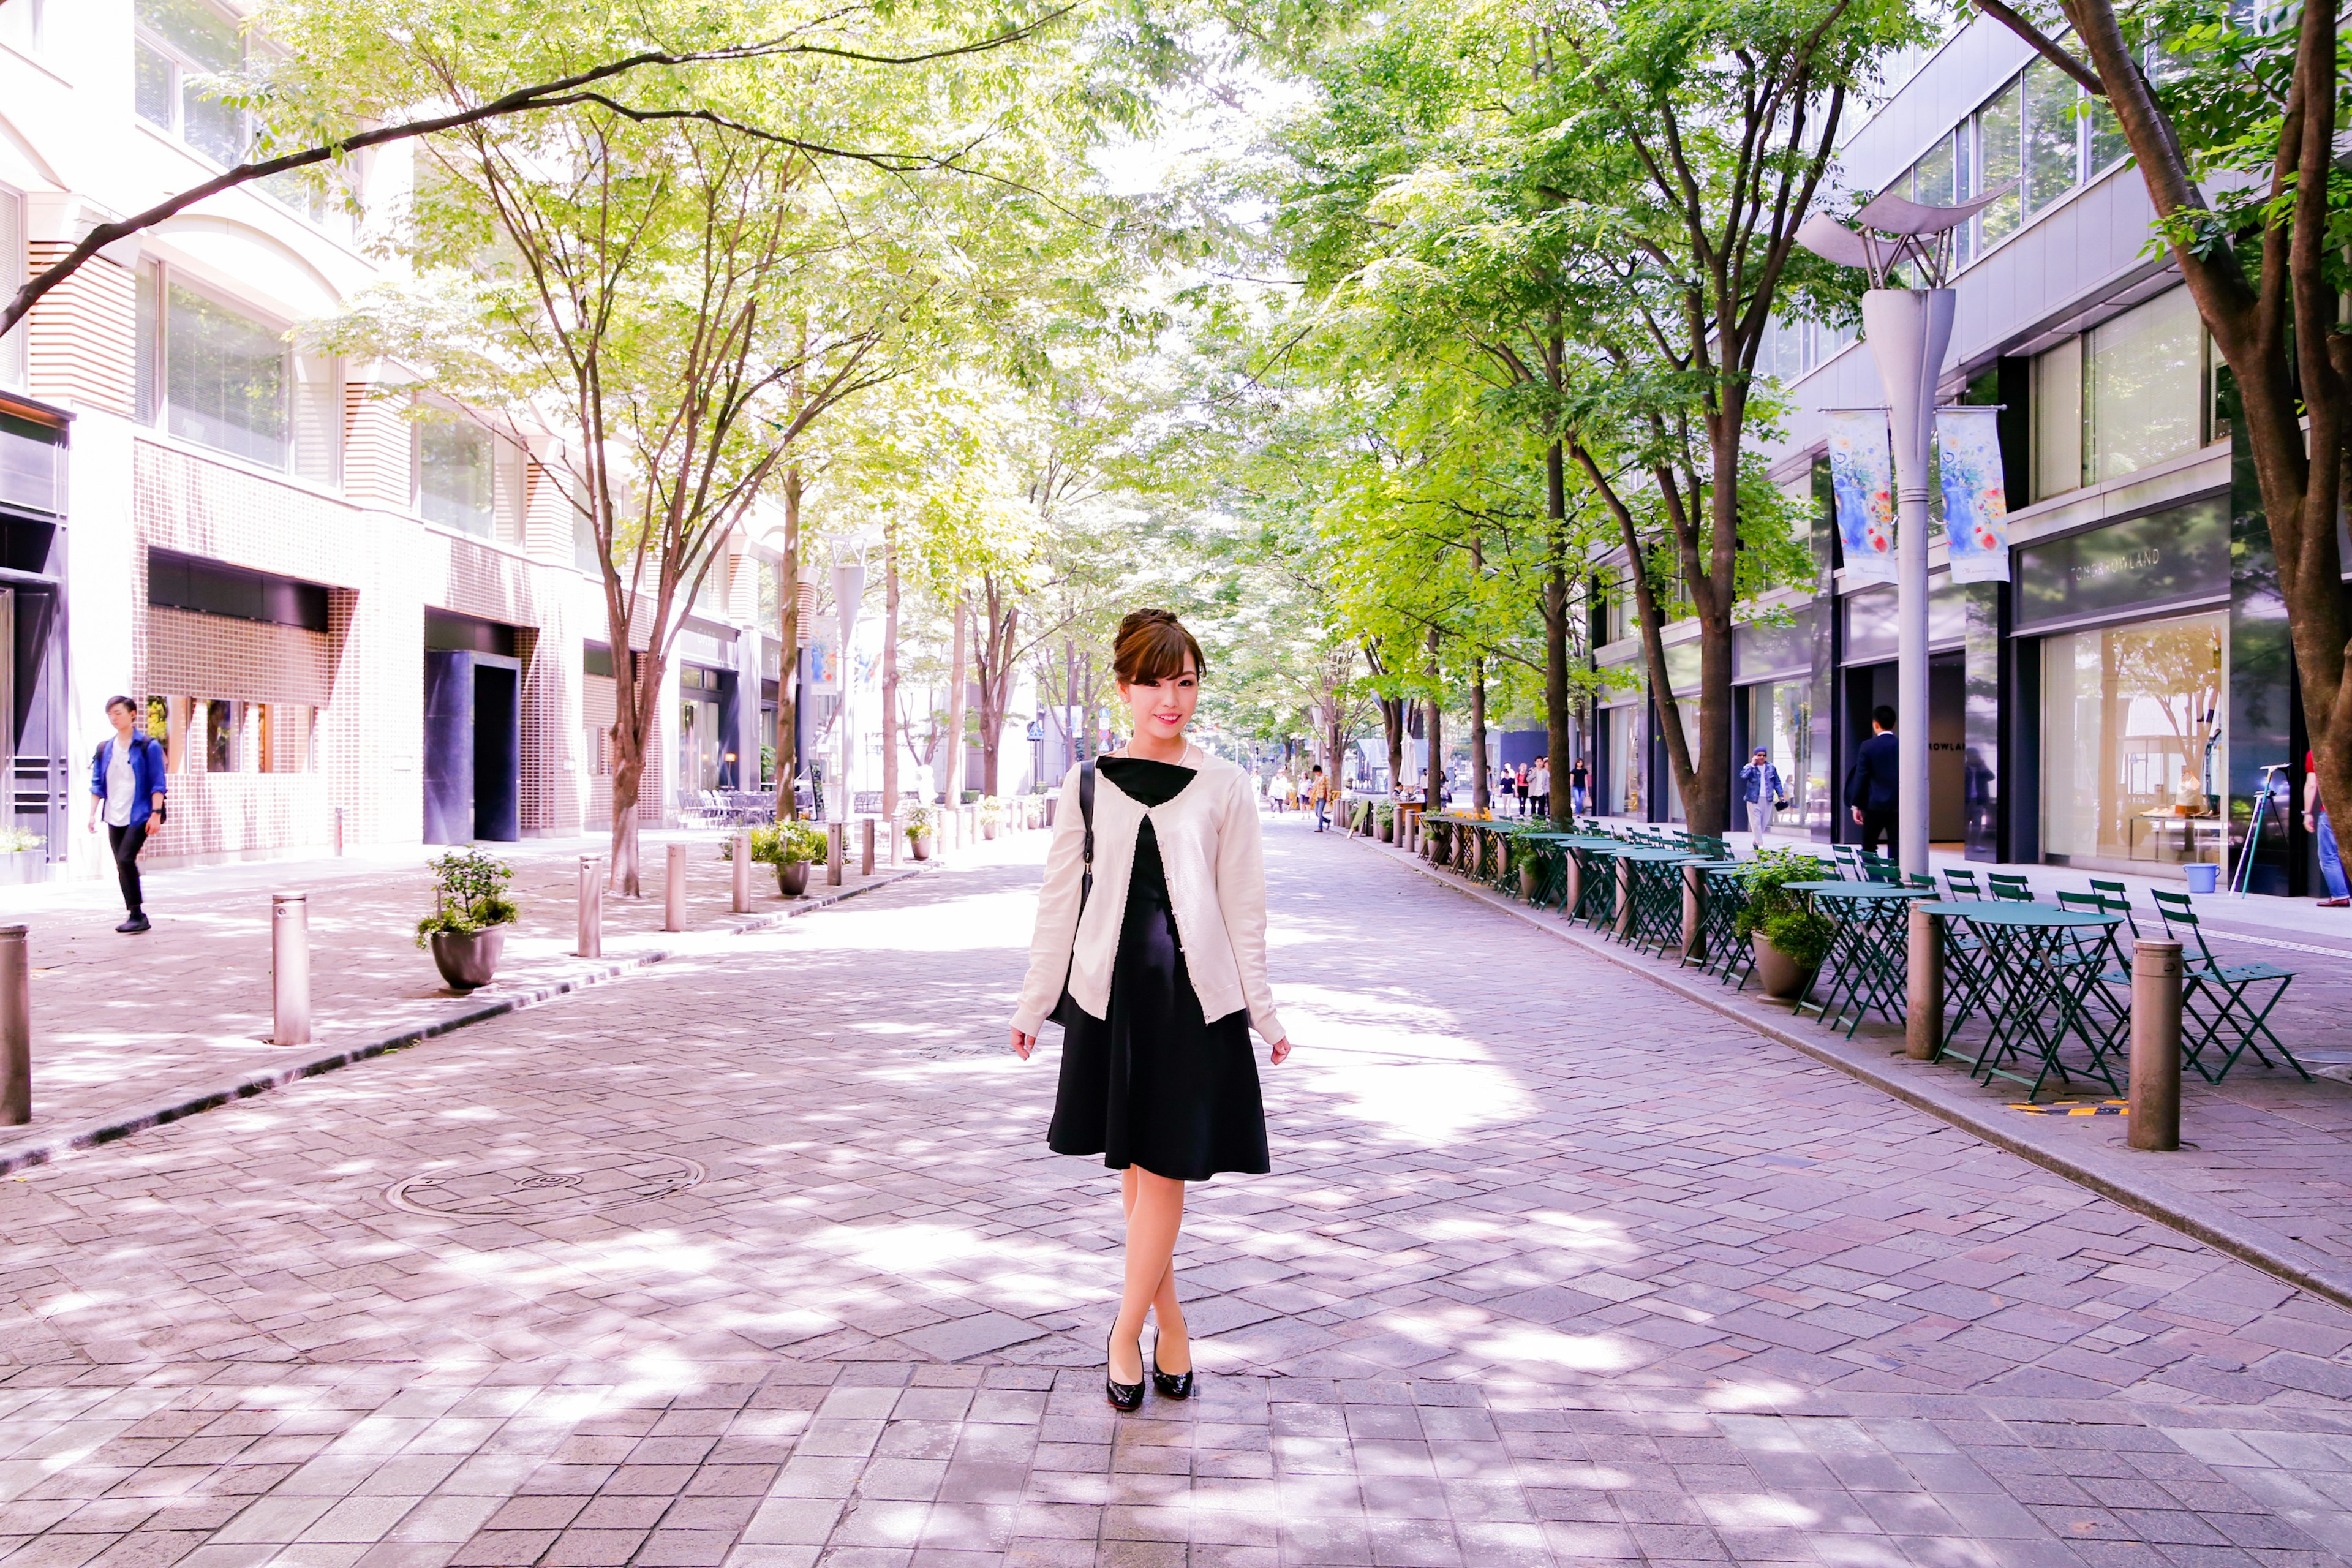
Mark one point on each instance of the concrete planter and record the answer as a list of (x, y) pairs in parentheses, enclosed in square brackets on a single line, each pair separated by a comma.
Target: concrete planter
[(792, 877), (1778, 973), (19, 867), (923, 846), (468, 960), (1530, 875)]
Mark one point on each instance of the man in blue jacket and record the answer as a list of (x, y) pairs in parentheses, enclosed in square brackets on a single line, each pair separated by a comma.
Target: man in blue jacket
[(1761, 787), (1872, 786), (126, 783)]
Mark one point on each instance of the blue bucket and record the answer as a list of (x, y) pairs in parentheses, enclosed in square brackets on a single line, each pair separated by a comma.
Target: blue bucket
[(2202, 876)]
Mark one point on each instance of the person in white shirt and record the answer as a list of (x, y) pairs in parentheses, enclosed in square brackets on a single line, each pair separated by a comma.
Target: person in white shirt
[(1539, 789), (1150, 952), (126, 786)]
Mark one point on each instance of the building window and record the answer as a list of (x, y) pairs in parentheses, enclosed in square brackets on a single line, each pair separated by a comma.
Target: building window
[(12, 273), (2058, 420), (2143, 387), (226, 379), (454, 482), (222, 750), (20, 25), (2134, 742), (179, 44)]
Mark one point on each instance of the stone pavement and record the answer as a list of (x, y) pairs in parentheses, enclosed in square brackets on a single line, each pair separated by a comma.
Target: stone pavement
[(761, 1260), (2265, 1168), (123, 1024)]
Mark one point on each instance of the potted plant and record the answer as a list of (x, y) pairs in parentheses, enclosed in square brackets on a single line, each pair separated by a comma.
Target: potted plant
[(918, 831), (20, 852), (1790, 939), (1529, 856), (466, 929), (788, 847), (991, 815), (1384, 817)]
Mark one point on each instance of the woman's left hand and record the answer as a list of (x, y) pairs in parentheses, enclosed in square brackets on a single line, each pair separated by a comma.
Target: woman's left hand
[(1280, 1053)]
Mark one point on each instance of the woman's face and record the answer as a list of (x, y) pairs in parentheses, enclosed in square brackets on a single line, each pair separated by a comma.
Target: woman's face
[(1162, 709)]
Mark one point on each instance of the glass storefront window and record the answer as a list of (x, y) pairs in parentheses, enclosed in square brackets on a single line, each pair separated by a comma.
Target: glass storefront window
[(1781, 720), (2058, 420), (2143, 384), (1624, 782), (2134, 754)]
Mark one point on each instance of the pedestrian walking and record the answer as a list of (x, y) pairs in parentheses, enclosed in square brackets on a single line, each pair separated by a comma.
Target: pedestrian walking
[(1318, 795), (1157, 1074), (127, 787), (1540, 788), (1761, 787), (2331, 862), (1580, 791), (1872, 790)]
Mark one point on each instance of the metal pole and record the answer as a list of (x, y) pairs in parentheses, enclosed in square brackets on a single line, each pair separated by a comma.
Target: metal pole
[(673, 890), (1908, 331), (16, 1028), (742, 868), (1923, 1019), (289, 969), (865, 856), (592, 910), (1575, 894), (833, 835), (339, 830), (2154, 1120), (1624, 898), (896, 833)]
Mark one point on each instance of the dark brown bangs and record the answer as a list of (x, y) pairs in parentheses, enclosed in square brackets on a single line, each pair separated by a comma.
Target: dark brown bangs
[(1152, 647)]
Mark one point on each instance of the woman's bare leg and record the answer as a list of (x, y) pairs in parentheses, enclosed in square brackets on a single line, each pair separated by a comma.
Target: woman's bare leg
[(1153, 1220), (1174, 1347)]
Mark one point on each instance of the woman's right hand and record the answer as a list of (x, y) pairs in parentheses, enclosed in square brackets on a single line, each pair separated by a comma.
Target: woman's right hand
[(1023, 1043)]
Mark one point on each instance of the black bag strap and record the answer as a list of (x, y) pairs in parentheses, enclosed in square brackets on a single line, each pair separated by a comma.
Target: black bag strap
[(1086, 817)]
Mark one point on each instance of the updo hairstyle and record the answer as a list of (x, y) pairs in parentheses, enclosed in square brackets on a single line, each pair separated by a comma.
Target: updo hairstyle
[(1150, 648)]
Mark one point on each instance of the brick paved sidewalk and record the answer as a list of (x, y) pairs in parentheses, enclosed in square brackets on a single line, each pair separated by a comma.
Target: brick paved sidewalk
[(122, 1023), (760, 1261), (2266, 1164)]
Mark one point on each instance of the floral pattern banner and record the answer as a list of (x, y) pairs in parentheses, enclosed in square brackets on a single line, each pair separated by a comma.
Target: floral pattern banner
[(1862, 477), (1976, 507)]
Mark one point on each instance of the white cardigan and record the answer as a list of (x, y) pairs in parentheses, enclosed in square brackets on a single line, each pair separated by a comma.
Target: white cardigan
[(1209, 848)]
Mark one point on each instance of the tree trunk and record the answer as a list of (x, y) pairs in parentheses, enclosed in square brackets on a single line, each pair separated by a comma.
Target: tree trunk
[(890, 670), (998, 639), (1481, 795), (788, 668), (951, 780), (1556, 742), (1433, 725), (634, 732)]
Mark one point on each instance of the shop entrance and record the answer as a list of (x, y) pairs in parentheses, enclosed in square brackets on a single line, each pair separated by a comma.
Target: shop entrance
[(1870, 685), (473, 747)]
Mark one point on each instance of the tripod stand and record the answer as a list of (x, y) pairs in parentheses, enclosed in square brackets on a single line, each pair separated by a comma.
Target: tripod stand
[(2244, 878)]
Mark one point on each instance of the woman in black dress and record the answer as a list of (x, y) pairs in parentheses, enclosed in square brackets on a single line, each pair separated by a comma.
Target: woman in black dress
[(1150, 952)]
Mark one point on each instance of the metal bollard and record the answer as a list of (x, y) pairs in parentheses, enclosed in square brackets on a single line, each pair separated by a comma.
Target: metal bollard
[(1922, 1016), (289, 969), (865, 854), (742, 869), (1575, 894), (833, 835), (339, 830), (2153, 1120), (16, 1028), (1694, 915), (894, 829), (673, 890), (1624, 899), (592, 910)]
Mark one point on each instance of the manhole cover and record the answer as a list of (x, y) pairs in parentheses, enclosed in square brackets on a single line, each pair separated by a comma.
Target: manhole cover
[(546, 1188)]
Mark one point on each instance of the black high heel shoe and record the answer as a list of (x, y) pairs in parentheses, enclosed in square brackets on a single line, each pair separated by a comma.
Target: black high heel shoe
[(1171, 1385), (1123, 1396)]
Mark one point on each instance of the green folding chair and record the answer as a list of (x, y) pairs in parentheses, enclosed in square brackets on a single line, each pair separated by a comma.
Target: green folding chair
[(2119, 898), (2009, 888), (1964, 885), (2224, 1006)]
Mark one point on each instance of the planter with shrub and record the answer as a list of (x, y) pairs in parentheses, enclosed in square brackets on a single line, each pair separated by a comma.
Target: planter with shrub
[(1790, 937), (918, 831), (466, 929)]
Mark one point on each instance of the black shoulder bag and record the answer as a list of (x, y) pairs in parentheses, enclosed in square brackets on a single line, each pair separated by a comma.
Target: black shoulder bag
[(1064, 1007)]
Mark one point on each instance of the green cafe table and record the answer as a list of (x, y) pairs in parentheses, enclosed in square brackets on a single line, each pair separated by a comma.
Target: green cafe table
[(1555, 853), (1720, 895), (1654, 886), (1864, 970), (2031, 976), (1593, 889)]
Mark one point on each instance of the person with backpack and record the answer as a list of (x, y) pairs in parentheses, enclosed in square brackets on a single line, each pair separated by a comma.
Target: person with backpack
[(1150, 950), (1318, 795), (126, 786)]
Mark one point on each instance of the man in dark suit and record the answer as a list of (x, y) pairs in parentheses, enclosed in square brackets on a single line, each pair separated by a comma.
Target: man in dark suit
[(1872, 790)]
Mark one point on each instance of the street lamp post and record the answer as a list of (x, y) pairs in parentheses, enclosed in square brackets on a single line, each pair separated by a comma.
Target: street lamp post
[(1908, 331)]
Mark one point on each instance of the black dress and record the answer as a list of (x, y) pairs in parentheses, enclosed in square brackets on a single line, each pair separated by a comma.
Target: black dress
[(1155, 1084)]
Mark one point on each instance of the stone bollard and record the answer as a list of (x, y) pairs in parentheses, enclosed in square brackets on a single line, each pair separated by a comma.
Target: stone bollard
[(1694, 915), (673, 888), (592, 910), (1573, 869), (1923, 1015), (895, 834), (832, 851), (1624, 899), (1051, 803), (289, 969), (2154, 1118), (741, 867), (16, 1028), (865, 855)]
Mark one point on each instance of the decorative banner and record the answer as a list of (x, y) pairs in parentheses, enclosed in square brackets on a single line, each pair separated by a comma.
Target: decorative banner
[(1976, 508), (824, 655), (1862, 477)]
